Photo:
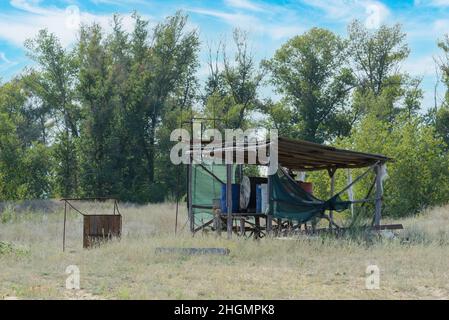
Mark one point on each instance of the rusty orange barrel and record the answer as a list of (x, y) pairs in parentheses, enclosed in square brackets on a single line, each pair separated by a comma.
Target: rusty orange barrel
[(307, 186)]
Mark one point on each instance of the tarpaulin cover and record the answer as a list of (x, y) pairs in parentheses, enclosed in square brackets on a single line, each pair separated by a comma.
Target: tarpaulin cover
[(292, 202)]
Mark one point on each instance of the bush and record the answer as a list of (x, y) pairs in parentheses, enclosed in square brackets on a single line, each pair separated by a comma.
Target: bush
[(8, 248), (7, 214), (419, 174)]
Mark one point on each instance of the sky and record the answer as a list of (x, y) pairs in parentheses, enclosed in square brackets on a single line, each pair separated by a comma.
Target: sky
[(269, 24)]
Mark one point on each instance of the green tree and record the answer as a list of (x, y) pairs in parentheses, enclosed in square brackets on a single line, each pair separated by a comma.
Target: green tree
[(376, 57), (130, 87), (161, 63), (55, 84), (98, 143), (441, 117), (37, 167), (11, 178), (25, 168), (231, 92), (310, 72), (442, 124), (17, 101)]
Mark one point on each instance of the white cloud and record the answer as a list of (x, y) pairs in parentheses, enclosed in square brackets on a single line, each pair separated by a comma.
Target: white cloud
[(337, 9), (119, 2), (3, 58), (29, 6), (5, 63), (441, 26), (373, 13), (24, 24), (234, 19), (253, 24), (244, 4), (420, 66), (279, 32)]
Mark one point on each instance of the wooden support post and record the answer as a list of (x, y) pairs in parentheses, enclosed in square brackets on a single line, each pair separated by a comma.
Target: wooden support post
[(239, 173), (229, 198), (350, 192), (270, 206), (65, 218), (257, 227), (177, 210), (217, 217), (314, 223), (379, 194), (190, 198), (332, 176), (203, 225), (217, 224)]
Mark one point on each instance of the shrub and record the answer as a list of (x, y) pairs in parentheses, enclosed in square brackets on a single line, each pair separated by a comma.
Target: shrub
[(419, 174)]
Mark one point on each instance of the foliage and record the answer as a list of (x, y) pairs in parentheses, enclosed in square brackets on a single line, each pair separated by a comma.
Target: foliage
[(7, 248), (231, 92), (309, 70), (24, 161), (37, 166), (54, 85), (418, 174), (442, 124), (375, 60), (376, 54), (11, 179), (89, 121), (442, 113)]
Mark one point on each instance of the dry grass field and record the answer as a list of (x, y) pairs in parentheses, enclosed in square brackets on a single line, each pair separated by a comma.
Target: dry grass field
[(413, 265)]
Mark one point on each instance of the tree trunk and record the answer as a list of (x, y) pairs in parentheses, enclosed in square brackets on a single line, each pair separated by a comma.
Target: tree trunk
[(151, 151)]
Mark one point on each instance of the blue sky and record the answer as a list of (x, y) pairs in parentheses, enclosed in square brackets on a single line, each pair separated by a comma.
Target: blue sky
[(269, 23)]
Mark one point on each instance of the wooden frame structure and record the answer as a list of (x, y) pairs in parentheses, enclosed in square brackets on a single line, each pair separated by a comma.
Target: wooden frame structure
[(96, 227), (296, 155)]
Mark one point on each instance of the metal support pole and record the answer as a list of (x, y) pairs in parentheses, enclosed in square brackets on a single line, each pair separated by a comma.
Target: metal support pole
[(176, 215), (177, 202), (217, 222), (229, 198), (65, 218), (331, 212), (256, 227), (379, 194), (270, 206), (350, 192), (190, 197), (240, 173)]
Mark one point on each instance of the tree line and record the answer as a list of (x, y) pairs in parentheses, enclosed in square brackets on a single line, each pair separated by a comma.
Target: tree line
[(95, 119)]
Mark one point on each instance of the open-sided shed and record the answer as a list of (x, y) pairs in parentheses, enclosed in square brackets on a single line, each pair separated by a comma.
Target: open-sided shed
[(287, 202)]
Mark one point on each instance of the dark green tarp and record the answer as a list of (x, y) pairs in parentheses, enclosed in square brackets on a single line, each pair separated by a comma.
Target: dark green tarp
[(292, 202), (206, 188)]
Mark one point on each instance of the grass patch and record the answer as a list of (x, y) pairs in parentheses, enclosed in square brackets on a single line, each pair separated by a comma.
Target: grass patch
[(7, 248), (413, 264)]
